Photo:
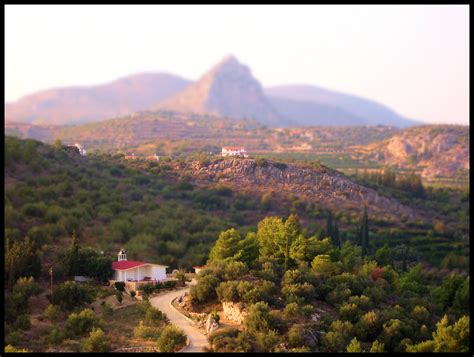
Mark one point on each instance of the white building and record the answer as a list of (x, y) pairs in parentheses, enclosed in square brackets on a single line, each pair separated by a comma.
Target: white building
[(234, 151), (128, 270), (79, 147)]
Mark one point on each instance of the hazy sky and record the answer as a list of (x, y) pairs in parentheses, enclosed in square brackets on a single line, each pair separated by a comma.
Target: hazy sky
[(414, 59)]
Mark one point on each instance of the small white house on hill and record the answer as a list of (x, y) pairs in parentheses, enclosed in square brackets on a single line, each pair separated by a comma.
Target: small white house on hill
[(234, 151), (129, 270)]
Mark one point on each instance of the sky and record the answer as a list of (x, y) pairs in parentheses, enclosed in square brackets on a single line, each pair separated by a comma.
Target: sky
[(412, 58)]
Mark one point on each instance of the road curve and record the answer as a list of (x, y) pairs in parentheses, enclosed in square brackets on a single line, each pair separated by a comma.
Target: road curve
[(163, 302)]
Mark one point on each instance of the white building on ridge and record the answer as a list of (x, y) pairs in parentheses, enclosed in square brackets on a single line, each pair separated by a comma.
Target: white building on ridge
[(234, 151)]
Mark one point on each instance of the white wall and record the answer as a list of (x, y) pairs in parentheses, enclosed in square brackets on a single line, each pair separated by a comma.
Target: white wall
[(159, 272), (156, 272)]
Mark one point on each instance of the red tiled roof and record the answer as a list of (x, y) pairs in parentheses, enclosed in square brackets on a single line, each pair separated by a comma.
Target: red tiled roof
[(126, 264)]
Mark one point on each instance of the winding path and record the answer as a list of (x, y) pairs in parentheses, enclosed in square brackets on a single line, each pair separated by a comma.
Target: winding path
[(163, 302)]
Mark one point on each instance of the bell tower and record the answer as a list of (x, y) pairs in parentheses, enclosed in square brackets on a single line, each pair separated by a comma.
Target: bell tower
[(122, 255)]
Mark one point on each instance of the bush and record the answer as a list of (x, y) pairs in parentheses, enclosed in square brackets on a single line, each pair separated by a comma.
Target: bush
[(146, 332), (132, 294), (259, 319), (55, 336), (169, 284), (10, 348), (119, 285), (96, 342), (205, 289), (71, 295), (155, 317), (107, 309), (80, 323), (148, 288), (215, 315), (52, 312), (171, 339), (23, 322), (119, 297)]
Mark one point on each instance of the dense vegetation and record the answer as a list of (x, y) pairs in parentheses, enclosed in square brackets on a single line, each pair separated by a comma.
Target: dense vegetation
[(355, 279), (306, 294), (50, 193)]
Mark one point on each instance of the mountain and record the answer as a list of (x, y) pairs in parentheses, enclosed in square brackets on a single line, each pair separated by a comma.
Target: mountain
[(331, 105), (307, 113), (29, 131), (442, 150), (228, 90), (74, 105)]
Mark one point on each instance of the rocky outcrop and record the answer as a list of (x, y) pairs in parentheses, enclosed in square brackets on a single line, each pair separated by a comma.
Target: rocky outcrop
[(440, 150), (319, 184), (234, 312), (211, 324)]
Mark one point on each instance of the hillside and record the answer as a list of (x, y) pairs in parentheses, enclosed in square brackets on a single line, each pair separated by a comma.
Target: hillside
[(440, 150), (148, 131), (320, 184), (73, 105)]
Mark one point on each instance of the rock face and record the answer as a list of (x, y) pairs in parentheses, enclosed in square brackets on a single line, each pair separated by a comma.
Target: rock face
[(442, 150), (319, 184), (233, 312), (211, 324), (229, 90)]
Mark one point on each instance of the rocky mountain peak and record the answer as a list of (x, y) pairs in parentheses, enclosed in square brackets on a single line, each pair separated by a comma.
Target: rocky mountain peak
[(227, 89)]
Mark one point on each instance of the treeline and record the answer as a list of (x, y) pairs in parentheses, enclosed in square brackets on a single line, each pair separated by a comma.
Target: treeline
[(304, 294), (410, 183)]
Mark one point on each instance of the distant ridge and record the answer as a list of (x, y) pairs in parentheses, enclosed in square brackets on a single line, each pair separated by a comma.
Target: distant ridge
[(77, 105), (228, 89)]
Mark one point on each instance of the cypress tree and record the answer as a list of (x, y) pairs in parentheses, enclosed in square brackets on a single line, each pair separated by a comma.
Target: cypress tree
[(73, 255), (337, 240), (364, 231), (330, 226)]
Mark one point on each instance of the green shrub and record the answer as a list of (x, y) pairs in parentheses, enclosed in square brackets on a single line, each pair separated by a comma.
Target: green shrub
[(23, 322), (107, 310), (133, 294), (80, 323), (119, 285), (97, 342), (13, 338), (169, 284), (146, 332), (70, 295), (205, 289), (119, 296), (52, 312), (155, 317), (148, 288), (171, 339), (55, 336)]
